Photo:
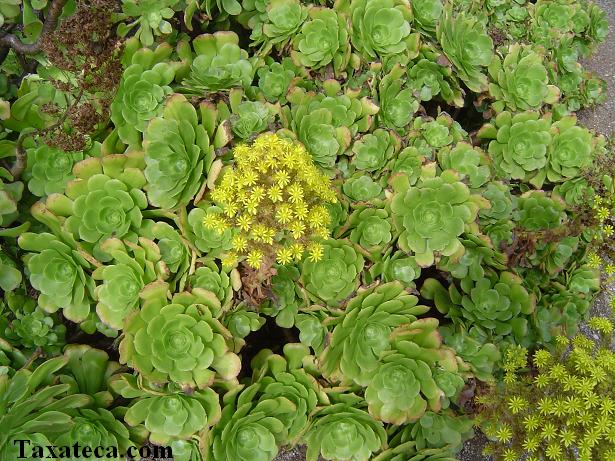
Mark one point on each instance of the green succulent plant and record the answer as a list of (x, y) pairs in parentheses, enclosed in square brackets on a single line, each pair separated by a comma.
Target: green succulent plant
[(190, 344), (35, 408), (152, 18), (431, 76), (521, 81), (325, 123), (374, 150), (361, 188), (27, 325), (322, 40), (177, 154), (498, 303), (286, 376), (397, 101), (241, 322), (432, 215), (362, 333), (286, 300), (371, 230), (250, 427), (466, 44), (430, 134), (104, 200), (536, 210), (440, 430), (520, 145), (50, 169), (10, 195), (58, 272), (175, 415), (251, 118), (275, 79), (342, 431), (277, 24), (174, 251), (481, 357), (396, 266), (211, 278), (478, 257), (135, 266), (571, 151), (382, 28), (336, 275), (220, 64), (426, 15), (142, 91), (470, 162), (405, 383), (205, 239), (10, 275)]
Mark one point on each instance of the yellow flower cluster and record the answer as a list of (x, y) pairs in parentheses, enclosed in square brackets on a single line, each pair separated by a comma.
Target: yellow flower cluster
[(274, 198), (565, 412)]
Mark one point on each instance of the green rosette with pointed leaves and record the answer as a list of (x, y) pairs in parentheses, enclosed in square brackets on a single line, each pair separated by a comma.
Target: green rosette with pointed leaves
[(363, 332), (59, 272), (178, 154), (343, 431), (432, 215), (336, 275), (181, 341), (135, 266)]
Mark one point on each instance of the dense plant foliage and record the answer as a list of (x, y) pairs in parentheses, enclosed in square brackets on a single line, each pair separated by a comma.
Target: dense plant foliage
[(232, 227)]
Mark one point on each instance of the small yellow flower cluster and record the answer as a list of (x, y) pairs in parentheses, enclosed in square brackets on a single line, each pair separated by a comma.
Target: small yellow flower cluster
[(274, 198), (565, 411)]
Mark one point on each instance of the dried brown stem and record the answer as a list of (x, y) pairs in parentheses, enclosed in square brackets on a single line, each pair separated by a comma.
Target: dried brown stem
[(51, 22)]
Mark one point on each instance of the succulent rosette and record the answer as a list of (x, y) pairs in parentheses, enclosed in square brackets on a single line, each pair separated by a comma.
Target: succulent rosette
[(59, 274), (500, 304), (151, 18), (397, 101), (427, 14), (220, 64), (521, 81), (322, 40), (536, 210), (336, 275), (275, 79), (50, 169), (404, 385), (520, 145), (277, 25), (104, 200), (429, 78), (342, 431), (571, 151), (381, 28), (374, 150), (433, 214), (371, 229), (211, 278), (142, 92), (362, 333), (177, 153), (324, 123), (96, 428), (470, 162), (250, 427), (205, 239), (134, 267), (466, 44), (175, 416), (181, 341)]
